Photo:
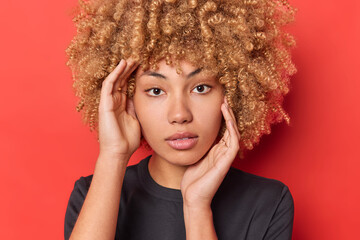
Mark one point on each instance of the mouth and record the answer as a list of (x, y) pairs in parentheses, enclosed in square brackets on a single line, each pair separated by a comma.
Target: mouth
[(182, 143)]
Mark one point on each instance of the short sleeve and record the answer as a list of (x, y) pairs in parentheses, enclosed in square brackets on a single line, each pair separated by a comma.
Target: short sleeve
[(75, 203), (281, 224)]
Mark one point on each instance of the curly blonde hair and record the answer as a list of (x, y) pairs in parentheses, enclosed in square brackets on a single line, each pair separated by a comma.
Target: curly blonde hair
[(240, 41)]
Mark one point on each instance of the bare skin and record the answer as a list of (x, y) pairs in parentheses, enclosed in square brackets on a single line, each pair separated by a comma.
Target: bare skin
[(119, 137), (201, 181)]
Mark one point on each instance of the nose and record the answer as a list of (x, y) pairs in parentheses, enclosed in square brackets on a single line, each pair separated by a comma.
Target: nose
[(179, 111)]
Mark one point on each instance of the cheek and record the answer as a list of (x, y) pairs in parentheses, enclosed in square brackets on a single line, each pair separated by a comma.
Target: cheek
[(210, 118), (149, 116)]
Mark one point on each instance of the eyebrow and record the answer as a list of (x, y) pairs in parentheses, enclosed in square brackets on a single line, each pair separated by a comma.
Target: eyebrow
[(158, 75)]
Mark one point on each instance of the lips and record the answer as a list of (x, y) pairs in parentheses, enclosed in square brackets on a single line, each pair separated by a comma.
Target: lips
[(182, 141), (181, 135)]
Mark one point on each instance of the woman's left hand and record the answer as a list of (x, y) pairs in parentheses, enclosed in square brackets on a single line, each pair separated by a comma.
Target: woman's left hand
[(201, 180)]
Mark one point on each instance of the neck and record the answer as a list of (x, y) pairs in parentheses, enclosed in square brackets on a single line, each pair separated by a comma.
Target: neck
[(165, 173)]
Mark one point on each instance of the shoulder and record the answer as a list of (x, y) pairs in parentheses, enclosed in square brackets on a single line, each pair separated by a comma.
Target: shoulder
[(255, 191), (263, 205), (79, 192), (75, 203), (240, 181), (259, 207), (82, 185)]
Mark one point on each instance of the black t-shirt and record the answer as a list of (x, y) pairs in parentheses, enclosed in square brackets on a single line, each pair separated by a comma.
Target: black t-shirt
[(245, 206)]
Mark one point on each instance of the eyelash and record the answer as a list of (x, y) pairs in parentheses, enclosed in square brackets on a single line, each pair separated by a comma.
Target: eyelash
[(205, 85)]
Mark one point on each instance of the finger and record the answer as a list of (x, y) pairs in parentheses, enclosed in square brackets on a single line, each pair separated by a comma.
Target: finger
[(123, 97), (233, 117), (108, 83), (123, 77), (233, 142), (230, 109), (235, 123), (225, 137), (134, 65), (229, 119), (122, 89), (232, 146), (226, 113)]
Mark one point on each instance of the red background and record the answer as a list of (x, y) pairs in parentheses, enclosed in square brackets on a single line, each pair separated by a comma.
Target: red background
[(45, 147)]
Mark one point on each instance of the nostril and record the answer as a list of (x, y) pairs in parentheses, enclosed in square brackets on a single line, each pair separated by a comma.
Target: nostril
[(179, 112)]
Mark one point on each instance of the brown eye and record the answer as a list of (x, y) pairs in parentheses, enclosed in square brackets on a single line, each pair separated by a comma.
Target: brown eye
[(154, 91), (202, 88)]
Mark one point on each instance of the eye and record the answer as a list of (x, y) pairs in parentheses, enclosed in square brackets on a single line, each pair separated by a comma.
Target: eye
[(154, 91), (202, 88)]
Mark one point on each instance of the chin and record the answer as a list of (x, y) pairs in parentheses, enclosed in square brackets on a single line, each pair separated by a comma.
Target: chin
[(184, 158)]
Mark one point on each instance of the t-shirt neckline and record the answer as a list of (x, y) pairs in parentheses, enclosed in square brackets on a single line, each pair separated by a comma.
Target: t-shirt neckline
[(152, 187)]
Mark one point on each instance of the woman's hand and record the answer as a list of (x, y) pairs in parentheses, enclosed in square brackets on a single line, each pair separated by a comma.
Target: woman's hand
[(119, 137), (119, 129), (201, 180)]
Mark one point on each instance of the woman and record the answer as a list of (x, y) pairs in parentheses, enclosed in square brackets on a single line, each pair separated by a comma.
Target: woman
[(203, 80)]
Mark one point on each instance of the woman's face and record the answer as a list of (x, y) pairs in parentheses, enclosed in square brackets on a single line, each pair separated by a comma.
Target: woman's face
[(179, 114)]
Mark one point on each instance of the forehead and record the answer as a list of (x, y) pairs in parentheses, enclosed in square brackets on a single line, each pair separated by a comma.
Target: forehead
[(184, 69)]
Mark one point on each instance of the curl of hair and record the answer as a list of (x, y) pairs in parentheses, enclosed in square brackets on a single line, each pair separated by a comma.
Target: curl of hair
[(242, 42)]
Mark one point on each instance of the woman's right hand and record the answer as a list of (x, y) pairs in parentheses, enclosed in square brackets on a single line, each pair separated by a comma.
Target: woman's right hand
[(119, 129)]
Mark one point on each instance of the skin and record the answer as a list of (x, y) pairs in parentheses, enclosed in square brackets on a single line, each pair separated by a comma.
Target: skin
[(197, 172), (167, 103)]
